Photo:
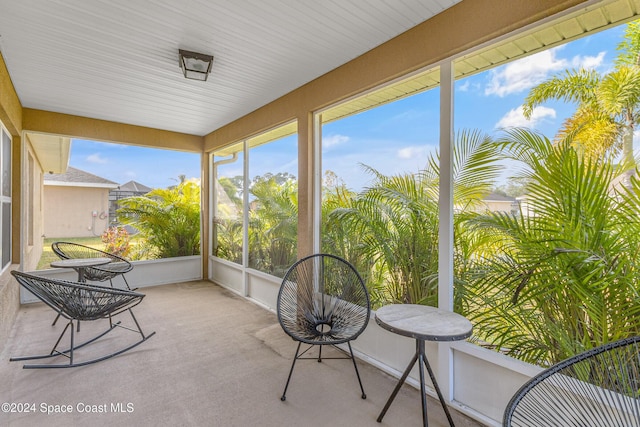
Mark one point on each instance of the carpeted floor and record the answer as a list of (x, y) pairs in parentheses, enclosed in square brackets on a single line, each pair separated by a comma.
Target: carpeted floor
[(216, 360)]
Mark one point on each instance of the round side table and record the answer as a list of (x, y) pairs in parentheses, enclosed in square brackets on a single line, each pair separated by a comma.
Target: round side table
[(423, 323)]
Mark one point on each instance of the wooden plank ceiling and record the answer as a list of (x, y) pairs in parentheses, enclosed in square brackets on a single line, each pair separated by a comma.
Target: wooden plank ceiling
[(117, 60)]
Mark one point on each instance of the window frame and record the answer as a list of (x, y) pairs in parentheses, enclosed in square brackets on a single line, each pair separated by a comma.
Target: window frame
[(6, 196)]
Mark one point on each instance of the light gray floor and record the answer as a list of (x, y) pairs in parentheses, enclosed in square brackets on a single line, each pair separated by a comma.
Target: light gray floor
[(216, 360)]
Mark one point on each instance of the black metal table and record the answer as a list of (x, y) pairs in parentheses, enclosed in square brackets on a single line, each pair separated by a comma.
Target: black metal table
[(79, 264), (423, 323)]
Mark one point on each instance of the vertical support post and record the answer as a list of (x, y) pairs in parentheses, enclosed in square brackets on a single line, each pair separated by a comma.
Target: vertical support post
[(245, 218), (307, 197), (445, 232), (206, 214), (316, 163)]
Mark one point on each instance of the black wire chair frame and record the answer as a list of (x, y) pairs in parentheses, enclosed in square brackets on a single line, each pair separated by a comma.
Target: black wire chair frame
[(323, 301), (78, 302), (117, 267), (599, 387)]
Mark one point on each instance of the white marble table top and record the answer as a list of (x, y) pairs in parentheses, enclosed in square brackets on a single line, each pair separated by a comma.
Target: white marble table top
[(423, 322), (80, 262)]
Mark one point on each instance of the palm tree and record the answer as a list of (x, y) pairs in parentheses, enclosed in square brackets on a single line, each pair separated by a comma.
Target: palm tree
[(564, 278), (273, 222), (608, 106), (228, 222), (338, 237), (168, 219), (394, 222)]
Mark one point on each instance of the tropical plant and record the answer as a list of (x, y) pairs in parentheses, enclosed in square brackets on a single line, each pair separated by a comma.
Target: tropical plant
[(116, 241), (273, 223), (608, 106), (564, 275), (338, 237), (395, 221), (228, 239), (168, 219), (232, 188), (228, 221)]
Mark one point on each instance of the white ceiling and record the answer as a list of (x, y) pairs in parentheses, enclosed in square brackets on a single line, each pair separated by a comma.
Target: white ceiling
[(117, 60)]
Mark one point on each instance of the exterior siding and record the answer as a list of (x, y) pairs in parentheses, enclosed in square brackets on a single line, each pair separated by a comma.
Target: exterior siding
[(70, 211)]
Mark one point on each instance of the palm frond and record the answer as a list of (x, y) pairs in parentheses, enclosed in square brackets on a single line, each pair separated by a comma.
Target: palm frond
[(573, 86)]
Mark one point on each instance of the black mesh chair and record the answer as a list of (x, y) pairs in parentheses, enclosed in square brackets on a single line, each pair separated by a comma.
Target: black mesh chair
[(599, 387), (117, 267), (78, 302), (323, 301)]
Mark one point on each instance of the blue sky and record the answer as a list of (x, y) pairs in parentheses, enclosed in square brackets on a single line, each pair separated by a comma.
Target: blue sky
[(123, 163), (399, 137), (393, 138)]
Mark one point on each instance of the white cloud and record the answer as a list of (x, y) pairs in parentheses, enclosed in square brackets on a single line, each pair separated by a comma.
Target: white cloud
[(464, 87), (97, 158), (515, 118), (333, 140), (636, 140), (522, 75), (588, 62), (411, 152)]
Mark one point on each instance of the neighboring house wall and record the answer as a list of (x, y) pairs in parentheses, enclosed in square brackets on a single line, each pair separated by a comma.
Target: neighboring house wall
[(75, 211), (33, 213), (500, 206), (496, 202)]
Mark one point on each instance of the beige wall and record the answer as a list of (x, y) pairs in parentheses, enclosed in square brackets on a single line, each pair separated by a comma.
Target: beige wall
[(11, 117), (101, 130), (499, 206), (69, 211), (10, 107)]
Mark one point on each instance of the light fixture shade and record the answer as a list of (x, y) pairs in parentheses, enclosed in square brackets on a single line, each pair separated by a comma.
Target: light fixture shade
[(195, 66)]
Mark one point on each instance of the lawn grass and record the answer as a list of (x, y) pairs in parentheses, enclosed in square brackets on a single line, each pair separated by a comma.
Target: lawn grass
[(47, 253), (48, 256)]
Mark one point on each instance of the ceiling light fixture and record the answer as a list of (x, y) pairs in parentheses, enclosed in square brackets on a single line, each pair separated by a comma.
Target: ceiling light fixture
[(195, 66)]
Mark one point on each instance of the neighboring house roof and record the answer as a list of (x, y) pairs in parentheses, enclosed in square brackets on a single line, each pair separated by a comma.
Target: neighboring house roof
[(134, 187), (78, 178)]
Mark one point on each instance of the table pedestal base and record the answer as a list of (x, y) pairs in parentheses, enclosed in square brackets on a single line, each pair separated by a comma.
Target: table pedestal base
[(420, 356)]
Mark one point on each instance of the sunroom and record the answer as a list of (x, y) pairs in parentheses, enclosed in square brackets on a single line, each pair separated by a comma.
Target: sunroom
[(134, 93)]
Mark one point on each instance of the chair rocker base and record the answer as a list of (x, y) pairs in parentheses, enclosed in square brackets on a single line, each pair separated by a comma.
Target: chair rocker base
[(299, 356), (68, 353)]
